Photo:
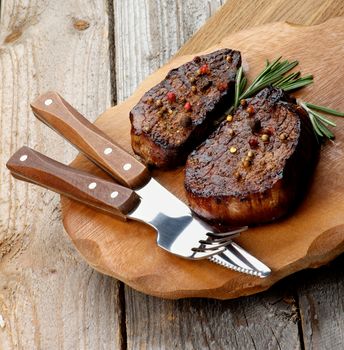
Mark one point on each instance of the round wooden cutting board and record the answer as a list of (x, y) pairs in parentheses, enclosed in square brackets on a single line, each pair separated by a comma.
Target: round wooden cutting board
[(310, 237)]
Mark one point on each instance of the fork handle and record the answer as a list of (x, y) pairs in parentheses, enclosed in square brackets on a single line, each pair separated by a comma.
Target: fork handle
[(106, 196), (58, 114)]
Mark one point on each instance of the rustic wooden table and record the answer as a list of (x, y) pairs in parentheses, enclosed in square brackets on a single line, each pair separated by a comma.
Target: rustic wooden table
[(95, 53)]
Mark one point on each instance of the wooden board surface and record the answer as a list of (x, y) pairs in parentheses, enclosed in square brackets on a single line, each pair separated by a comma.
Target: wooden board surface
[(311, 237)]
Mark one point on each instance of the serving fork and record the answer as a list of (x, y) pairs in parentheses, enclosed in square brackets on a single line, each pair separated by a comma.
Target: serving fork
[(178, 231)]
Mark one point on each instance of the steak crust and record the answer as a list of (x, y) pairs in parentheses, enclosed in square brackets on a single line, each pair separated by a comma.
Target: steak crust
[(177, 114), (255, 168)]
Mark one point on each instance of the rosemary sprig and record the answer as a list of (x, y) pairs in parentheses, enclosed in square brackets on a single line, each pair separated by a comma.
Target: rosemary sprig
[(273, 74), (319, 121)]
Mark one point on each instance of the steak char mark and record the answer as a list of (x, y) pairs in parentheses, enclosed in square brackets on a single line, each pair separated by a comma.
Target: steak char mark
[(178, 113), (254, 168)]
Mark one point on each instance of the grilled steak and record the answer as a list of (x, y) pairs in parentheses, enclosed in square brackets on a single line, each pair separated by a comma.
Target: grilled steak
[(175, 115), (255, 167)]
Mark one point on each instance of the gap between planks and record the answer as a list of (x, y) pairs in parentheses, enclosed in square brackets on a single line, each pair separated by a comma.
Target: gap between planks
[(122, 341), (299, 322)]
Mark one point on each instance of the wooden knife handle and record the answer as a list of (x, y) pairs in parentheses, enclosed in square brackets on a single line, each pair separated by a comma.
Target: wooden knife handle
[(109, 197), (57, 113)]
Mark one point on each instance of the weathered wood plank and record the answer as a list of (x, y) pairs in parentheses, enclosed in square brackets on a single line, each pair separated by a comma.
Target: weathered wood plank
[(267, 321), (322, 306), (147, 34), (49, 297)]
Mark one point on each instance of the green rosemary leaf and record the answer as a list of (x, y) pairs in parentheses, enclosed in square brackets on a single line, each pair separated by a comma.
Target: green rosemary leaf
[(293, 79), (295, 85), (268, 68), (325, 109), (324, 129), (242, 85), (285, 67), (288, 78), (323, 118), (315, 126), (238, 85), (319, 121)]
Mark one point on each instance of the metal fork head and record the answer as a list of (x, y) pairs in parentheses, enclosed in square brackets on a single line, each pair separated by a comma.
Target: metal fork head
[(187, 237), (215, 243)]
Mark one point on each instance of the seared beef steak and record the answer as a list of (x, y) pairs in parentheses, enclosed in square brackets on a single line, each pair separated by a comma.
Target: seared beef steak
[(254, 168), (175, 115)]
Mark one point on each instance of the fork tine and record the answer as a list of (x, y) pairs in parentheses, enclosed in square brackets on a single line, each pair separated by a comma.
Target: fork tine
[(232, 233), (222, 237), (200, 254), (217, 240), (210, 246)]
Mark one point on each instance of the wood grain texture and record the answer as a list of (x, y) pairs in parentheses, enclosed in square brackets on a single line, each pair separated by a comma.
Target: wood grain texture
[(267, 321), (149, 32), (49, 297), (321, 304), (242, 14)]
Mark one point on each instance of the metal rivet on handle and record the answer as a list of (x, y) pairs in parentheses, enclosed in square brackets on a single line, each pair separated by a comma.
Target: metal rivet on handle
[(48, 102), (23, 158), (92, 185), (127, 166), (107, 150), (114, 194)]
